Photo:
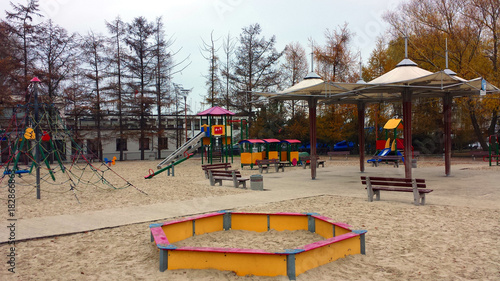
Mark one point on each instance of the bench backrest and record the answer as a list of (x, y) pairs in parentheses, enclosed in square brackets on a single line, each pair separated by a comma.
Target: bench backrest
[(339, 152), (266, 161), (216, 166), (224, 173), (399, 182)]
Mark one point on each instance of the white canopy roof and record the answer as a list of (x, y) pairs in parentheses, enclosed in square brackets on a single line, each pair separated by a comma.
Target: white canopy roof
[(388, 87)]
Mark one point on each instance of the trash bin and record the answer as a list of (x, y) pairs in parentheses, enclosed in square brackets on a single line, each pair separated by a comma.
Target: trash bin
[(413, 163), (256, 182)]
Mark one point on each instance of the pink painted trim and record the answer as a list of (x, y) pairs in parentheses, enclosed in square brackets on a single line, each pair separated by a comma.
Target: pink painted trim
[(193, 218), (249, 213), (343, 225), (329, 241), (207, 216), (271, 140), (289, 214), (291, 141), (270, 214), (159, 235), (323, 218), (225, 250)]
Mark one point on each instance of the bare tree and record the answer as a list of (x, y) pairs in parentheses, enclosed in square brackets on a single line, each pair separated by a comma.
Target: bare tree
[(140, 65), (56, 53), (117, 54), (295, 66), (162, 75), (209, 52), (228, 46), (21, 25), (95, 63), (256, 68)]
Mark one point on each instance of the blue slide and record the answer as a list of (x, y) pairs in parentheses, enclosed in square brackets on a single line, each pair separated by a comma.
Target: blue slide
[(384, 152)]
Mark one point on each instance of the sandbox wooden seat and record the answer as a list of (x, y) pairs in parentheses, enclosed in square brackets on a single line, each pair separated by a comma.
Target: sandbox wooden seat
[(266, 163), (217, 176), (338, 153), (375, 184), (306, 161), (218, 166)]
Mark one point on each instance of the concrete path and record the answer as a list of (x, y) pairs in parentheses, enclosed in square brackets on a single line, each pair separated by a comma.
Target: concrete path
[(465, 188)]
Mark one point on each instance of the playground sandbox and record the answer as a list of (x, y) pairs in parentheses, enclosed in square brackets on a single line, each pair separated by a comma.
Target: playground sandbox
[(339, 241)]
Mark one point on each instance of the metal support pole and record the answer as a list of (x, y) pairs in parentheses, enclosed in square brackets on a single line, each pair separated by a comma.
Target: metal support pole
[(36, 122)]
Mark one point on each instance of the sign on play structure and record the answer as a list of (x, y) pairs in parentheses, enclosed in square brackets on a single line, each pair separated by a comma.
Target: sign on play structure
[(218, 130)]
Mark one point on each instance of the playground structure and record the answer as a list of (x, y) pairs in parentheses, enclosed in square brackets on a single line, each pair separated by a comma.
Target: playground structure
[(290, 151), (251, 151), (36, 137), (340, 241), (286, 151), (493, 150), (215, 139), (272, 148), (389, 147)]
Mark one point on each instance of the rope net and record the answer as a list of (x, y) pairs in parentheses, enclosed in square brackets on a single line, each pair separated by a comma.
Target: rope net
[(65, 162)]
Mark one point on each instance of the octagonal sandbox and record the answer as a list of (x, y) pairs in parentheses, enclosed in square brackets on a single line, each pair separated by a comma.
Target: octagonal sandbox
[(340, 241)]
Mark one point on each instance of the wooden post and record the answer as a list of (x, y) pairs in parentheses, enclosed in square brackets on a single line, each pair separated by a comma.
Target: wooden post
[(447, 100), (312, 134), (407, 131), (361, 135), (416, 195)]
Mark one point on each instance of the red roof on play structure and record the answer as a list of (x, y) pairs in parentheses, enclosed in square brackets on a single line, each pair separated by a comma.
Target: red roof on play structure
[(251, 141), (216, 111), (291, 141), (271, 140)]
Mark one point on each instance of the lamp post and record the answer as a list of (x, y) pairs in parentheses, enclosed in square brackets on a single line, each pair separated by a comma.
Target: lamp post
[(185, 117)]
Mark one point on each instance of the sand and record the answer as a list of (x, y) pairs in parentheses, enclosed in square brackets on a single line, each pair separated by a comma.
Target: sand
[(453, 237)]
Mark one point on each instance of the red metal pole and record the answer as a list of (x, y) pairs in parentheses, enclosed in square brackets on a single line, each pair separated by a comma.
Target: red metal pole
[(361, 135), (407, 131), (312, 134), (447, 100)]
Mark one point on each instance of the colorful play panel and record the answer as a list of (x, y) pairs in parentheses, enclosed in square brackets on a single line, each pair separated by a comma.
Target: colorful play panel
[(340, 241)]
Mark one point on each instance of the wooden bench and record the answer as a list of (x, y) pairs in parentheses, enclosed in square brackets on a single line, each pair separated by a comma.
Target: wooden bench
[(337, 153), (218, 166), (217, 176), (264, 164), (375, 184), (394, 159), (306, 161)]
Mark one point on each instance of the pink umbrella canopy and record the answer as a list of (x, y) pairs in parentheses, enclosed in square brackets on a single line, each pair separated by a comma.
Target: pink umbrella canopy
[(215, 111)]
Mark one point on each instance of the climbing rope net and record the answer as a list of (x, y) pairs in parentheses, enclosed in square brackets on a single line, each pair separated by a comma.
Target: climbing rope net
[(69, 172)]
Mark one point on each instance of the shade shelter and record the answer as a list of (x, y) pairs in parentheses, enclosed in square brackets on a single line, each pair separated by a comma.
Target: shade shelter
[(312, 89), (405, 82)]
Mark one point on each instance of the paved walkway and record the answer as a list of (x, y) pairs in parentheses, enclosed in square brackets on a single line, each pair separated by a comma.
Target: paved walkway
[(464, 188)]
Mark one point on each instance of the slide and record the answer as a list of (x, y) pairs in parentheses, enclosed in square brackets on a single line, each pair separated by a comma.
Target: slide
[(384, 152), (187, 148)]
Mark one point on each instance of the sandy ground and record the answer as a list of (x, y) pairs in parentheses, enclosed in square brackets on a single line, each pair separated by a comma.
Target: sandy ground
[(453, 237)]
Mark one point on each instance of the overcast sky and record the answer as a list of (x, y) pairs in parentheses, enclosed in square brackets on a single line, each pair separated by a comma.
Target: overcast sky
[(190, 20)]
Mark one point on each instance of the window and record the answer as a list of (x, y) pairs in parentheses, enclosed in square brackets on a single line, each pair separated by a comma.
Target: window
[(121, 144), (197, 125), (144, 144), (163, 143)]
